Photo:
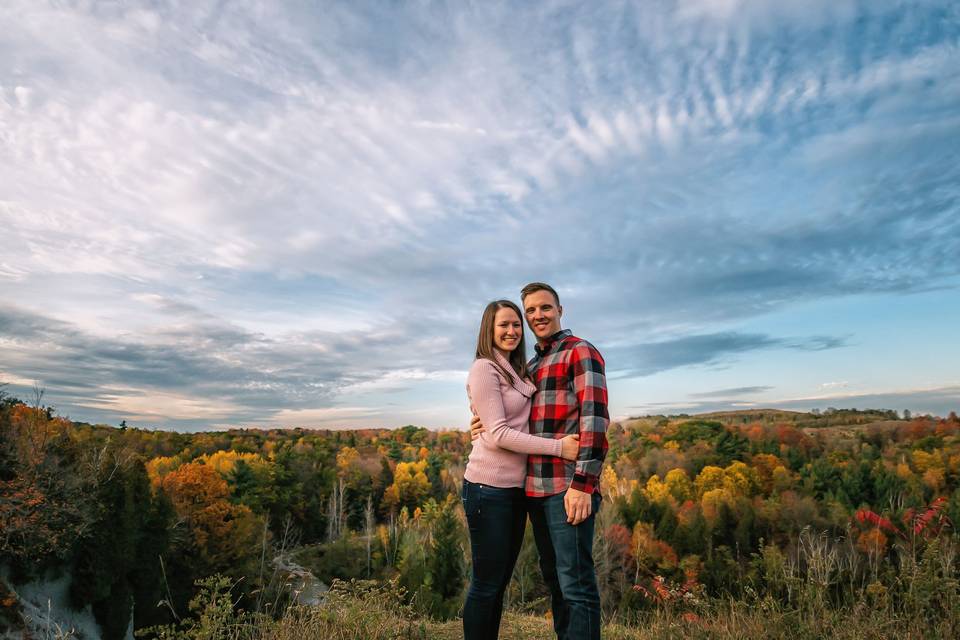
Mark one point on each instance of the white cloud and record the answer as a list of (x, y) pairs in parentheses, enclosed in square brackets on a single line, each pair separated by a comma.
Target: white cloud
[(12, 378), (834, 385), (158, 406)]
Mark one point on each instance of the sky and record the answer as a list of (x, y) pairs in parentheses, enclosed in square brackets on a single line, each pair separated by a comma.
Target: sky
[(286, 214)]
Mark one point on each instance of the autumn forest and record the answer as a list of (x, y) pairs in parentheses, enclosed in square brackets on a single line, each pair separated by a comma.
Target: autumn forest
[(801, 518)]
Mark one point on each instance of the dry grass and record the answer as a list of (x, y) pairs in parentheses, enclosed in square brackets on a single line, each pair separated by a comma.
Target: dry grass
[(376, 616), (738, 623)]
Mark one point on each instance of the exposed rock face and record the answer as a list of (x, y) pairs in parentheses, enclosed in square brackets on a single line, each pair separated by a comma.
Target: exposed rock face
[(305, 588), (45, 610)]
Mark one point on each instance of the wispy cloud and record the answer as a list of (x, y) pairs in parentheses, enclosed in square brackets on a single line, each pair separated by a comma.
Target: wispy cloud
[(267, 196), (735, 391)]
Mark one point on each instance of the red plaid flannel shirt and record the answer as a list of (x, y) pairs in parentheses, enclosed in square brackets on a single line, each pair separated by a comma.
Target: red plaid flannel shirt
[(571, 398)]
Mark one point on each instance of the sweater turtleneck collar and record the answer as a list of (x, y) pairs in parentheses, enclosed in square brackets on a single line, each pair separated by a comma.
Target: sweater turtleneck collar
[(524, 387)]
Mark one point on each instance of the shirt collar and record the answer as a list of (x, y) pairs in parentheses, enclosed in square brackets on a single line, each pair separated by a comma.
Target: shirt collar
[(552, 340)]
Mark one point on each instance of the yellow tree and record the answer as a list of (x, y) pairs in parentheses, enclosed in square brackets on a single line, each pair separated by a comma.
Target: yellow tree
[(224, 462), (709, 478), (609, 482), (739, 479), (657, 490), (781, 479), (679, 485), (348, 471), (410, 486), (160, 466)]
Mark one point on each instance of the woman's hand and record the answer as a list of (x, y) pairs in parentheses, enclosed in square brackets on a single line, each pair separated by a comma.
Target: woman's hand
[(570, 447)]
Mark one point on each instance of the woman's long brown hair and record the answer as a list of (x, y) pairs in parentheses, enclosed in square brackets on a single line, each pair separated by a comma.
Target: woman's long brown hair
[(485, 348)]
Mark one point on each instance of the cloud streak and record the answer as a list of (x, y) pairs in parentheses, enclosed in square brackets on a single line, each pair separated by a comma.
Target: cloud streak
[(735, 391), (713, 349), (938, 401)]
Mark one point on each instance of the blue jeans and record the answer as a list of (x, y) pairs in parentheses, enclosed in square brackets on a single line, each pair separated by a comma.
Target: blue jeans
[(566, 560), (496, 518)]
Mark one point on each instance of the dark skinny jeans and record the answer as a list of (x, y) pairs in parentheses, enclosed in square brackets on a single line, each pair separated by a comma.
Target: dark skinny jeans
[(496, 518)]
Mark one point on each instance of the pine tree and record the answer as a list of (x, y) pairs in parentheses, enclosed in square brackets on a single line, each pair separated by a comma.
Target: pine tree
[(244, 483), (724, 526), (445, 566), (667, 525), (745, 532), (104, 560), (693, 537)]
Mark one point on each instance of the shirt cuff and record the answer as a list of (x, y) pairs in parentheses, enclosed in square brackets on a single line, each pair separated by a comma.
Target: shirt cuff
[(584, 482)]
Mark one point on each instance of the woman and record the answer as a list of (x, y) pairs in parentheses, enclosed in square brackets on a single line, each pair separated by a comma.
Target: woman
[(493, 498)]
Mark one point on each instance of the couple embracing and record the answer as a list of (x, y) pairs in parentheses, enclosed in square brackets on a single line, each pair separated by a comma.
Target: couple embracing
[(539, 442)]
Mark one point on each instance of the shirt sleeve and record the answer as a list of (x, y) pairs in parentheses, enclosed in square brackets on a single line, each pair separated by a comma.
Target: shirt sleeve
[(483, 388), (590, 387)]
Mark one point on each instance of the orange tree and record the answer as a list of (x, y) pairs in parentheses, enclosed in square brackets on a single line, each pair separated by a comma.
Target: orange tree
[(219, 536), (41, 504)]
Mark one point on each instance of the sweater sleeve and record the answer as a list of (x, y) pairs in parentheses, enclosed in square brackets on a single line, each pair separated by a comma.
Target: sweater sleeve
[(483, 385)]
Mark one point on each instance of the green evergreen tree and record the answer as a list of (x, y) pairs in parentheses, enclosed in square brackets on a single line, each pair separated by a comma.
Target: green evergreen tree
[(435, 465), (667, 525), (720, 574), (146, 576), (692, 538), (731, 446), (744, 533), (244, 483), (445, 562), (104, 559), (722, 531), (383, 480)]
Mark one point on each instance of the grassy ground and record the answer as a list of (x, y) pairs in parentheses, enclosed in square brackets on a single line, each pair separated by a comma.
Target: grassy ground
[(373, 616), (741, 625), (367, 611)]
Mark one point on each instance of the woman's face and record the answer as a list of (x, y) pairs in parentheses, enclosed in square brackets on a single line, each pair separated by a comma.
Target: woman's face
[(507, 330)]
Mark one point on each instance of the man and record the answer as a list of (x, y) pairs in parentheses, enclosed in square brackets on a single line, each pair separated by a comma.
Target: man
[(563, 497)]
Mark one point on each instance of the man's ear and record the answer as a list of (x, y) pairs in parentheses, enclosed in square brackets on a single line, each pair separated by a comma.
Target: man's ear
[(559, 311)]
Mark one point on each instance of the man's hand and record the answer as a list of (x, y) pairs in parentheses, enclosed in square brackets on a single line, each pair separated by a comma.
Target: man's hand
[(476, 428), (578, 505)]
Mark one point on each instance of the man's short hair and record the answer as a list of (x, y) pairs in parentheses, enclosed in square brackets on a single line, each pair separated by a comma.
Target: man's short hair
[(538, 286)]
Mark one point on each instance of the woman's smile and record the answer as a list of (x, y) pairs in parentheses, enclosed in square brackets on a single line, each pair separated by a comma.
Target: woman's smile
[(507, 329)]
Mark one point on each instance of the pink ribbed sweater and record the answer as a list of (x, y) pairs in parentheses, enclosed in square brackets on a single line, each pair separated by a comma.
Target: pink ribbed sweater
[(499, 455)]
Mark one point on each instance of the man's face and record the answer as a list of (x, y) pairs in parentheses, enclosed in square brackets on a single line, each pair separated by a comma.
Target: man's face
[(542, 313)]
